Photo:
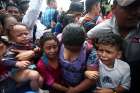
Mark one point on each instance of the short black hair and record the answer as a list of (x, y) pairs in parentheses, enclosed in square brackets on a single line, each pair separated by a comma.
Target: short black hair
[(47, 36), (11, 28), (89, 4), (11, 5), (110, 39), (73, 35), (75, 7)]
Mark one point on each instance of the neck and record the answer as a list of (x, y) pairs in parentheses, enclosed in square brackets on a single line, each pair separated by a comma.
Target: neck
[(70, 55), (55, 59), (91, 15), (109, 64)]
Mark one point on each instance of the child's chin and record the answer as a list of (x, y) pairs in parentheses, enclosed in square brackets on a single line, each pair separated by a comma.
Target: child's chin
[(51, 56)]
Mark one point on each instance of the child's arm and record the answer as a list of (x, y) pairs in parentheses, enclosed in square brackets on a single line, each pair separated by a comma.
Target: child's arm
[(92, 74), (9, 60), (60, 87), (92, 65), (83, 86)]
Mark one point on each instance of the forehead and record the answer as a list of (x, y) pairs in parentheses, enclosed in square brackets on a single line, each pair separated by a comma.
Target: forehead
[(107, 47), (20, 28), (11, 19), (50, 42), (12, 8)]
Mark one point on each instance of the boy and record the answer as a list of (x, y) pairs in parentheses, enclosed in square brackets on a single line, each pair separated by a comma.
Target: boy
[(73, 59), (18, 36), (114, 74)]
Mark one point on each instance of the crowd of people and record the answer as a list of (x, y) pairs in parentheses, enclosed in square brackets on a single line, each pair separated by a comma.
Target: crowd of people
[(76, 51)]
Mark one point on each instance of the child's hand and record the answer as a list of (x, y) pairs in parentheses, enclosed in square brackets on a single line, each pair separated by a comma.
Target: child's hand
[(23, 54), (103, 90), (92, 74), (22, 64)]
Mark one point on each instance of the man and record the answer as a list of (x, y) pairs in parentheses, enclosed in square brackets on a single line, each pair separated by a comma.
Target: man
[(13, 10), (49, 16), (125, 22)]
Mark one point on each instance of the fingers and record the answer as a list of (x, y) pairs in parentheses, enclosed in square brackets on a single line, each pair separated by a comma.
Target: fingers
[(23, 64), (15, 50)]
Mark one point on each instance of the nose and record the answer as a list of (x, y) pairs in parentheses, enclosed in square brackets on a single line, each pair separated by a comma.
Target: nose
[(52, 50), (103, 54)]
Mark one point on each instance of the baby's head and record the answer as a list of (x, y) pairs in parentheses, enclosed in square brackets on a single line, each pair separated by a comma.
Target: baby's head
[(109, 47), (73, 37), (50, 44), (18, 33)]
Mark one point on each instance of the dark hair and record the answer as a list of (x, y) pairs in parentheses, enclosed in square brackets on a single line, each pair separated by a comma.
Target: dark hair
[(49, 1), (66, 19), (110, 39), (47, 36), (89, 4), (75, 7), (11, 5), (11, 28), (73, 35)]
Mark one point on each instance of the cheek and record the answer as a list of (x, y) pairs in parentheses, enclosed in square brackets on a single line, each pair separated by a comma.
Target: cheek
[(47, 51)]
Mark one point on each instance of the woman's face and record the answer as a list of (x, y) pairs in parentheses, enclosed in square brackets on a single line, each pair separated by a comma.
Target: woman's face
[(51, 48)]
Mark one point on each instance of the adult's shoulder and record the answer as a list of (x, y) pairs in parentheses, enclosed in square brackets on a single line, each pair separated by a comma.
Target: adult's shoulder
[(105, 26)]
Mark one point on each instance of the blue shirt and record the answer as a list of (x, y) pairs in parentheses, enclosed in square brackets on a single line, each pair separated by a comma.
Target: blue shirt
[(49, 15)]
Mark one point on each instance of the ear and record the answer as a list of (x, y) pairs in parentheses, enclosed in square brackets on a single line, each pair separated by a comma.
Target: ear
[(119, 56)]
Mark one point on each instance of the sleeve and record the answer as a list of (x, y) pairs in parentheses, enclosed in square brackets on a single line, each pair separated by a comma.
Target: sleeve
[(32, 13), (105, 26), (126, 79), (92, 60), (48, 79), (9, 59)]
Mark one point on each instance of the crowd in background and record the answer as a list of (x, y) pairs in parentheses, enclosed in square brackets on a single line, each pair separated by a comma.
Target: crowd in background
[(93, 47)]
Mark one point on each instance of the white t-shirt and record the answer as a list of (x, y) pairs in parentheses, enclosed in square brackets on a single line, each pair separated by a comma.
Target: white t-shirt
[(113, 77)]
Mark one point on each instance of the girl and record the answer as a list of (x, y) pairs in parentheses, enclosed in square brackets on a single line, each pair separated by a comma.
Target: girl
[(48, 65)]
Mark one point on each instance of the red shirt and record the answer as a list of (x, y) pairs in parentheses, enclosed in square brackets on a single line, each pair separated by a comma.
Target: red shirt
[(49, 74)]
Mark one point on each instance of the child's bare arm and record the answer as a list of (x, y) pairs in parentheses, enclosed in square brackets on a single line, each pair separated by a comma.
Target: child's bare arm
[(60, 87), (92, 74), (84, 85)]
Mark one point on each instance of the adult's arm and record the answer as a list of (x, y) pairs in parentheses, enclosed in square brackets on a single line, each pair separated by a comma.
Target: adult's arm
[(32, 13)]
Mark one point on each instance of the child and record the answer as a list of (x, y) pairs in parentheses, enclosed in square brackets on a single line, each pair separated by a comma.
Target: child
[(73, 59), (48, 65), (7, 85), (114, 74), (18, 36)]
